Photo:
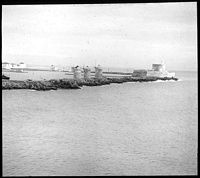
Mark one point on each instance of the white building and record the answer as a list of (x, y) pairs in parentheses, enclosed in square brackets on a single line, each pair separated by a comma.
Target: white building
[(53, 68), (6, 65), (21, 65), (159, 70), (13, 67)]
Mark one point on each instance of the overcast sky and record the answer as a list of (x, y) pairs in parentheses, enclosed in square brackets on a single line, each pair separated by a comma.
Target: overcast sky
[(113, 35)]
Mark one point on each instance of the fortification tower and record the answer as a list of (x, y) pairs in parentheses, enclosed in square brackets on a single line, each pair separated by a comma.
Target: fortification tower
[(158, 67), (86, 71), (98, 72), (76, 72)]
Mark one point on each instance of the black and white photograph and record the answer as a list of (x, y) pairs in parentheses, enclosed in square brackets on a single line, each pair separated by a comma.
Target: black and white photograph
[(105, 89)]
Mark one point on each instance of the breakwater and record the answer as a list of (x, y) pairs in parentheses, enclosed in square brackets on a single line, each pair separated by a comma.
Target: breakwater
[(72, 83)]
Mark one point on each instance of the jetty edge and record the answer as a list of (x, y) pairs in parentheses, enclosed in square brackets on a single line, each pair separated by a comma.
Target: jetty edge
[(55, 84)]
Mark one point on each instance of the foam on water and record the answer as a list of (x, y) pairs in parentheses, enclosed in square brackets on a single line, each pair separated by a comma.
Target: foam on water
[(160, 81)]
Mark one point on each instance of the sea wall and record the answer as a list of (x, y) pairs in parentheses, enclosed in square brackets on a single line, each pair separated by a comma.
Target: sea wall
[(72, 83)]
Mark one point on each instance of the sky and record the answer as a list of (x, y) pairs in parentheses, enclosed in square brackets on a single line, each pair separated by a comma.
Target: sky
[(113, 35)]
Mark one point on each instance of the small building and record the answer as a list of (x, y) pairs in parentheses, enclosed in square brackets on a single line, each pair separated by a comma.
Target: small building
[(13, 65), (158, 67), (159, 70), (139, 73), (98, 72), (21, 65), (53, 68), (6, 65), (76, 72), (87, 72)]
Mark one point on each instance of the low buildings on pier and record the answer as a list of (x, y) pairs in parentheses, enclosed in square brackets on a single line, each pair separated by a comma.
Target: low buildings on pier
[(158, 70), (6, 65), (13, 66), (139, 73)]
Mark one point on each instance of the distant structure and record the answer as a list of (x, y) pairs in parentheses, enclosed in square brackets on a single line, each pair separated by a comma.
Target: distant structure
[(158, 67), (139, 73), (76, 72), (13, 66), (6, 65), (159, 70), (98, 72), (87, 72), (18, 67), (53, 68), (21, 65)]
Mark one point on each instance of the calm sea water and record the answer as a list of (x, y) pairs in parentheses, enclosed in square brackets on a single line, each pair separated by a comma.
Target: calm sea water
[(118, 129)]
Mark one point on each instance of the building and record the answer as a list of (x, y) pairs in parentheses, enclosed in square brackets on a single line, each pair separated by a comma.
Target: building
[(98, 72), (87, 72), (22, 65), (13, 65), (6, 65), (76, 72), (158, 67), (9, 66), (53, 68), (18, 67), (139, 73), (159, 70)]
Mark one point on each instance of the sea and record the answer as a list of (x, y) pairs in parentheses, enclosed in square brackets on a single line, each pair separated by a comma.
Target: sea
[(135, 128)]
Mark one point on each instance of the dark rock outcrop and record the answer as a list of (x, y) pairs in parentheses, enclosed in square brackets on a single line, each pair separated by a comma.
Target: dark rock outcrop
[(73, 84)]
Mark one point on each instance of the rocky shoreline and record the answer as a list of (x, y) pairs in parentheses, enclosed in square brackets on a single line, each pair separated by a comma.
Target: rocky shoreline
[(72, 83)]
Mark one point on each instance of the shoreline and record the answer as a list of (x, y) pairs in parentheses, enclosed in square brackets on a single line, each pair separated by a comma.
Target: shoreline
[(55, 84)]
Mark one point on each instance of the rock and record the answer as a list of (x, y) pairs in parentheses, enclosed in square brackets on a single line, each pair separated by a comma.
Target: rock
[(73, 84)]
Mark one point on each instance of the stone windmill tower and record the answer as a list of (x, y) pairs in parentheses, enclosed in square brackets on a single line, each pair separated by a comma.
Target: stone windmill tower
[(87, 72), (98, 72)]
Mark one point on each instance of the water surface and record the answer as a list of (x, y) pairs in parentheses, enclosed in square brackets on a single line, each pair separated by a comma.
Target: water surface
[(118, 129)]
